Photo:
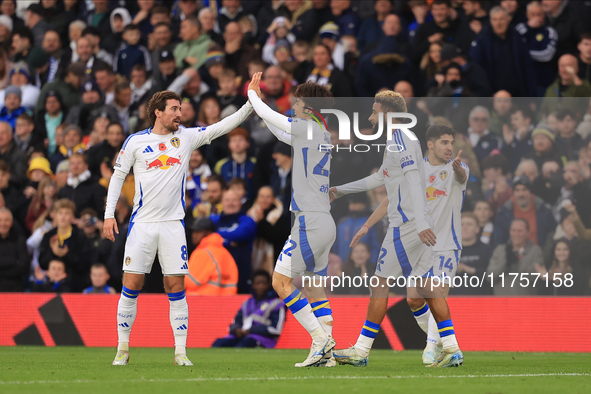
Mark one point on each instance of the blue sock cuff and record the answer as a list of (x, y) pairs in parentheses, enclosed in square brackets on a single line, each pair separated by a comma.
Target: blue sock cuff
[(295, 301), (445, 328), (130, 293), (421, 311), (321, 308), (370, 329), (176, 296)]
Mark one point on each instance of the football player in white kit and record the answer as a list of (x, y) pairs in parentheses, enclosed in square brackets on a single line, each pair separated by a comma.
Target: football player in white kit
[(159, 157), (313, 232), (446, 180), (403, 252)]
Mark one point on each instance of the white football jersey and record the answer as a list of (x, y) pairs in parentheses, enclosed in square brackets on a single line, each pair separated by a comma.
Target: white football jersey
[(402, 155), (310, 167), (160, 164), (445, 197)]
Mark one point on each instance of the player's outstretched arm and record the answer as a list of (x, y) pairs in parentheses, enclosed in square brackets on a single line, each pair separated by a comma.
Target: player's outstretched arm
[(220, 128), (362, 185), (271, 117), (417, 192), (375, 217)]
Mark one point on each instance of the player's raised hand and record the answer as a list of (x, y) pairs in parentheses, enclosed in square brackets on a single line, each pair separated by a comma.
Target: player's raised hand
[(360, 234), (255, 83), (428, 237), (457, 163), (110, 228)]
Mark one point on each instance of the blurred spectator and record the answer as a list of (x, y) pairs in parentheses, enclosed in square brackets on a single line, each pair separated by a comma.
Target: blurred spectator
[(22, 43), (504, 56), (59, 57), (8, 8), (518, 255), (92, 227), (238, 52), (370, 31), (359, 263), (99, 16), (131, 53), (564, 19), (349, 225), (68, 244), (481, 139), (260, 319), (514, 10), (324, 73), (212, 205), (281, 175), (230, 100), (543, 142), (87, 57), (12, 197), (475, 256), (501, 112), (11, 154), (574, 191), (106, 79), (517, 137), (12, 106), (106, 150), (186, 8), (68, 88), (384, 66), (238, 164), (524, 205), (14, 264), (45, 196), (72, 143), (495, 185), (450, 84), (5, 67), (303, 19), (167, 72), (484, 214), (347, 20), (197, 177), (5, 32), (441, 29), (93, 35), (48, 120), (238, 231), (329, 36), (119, 18), (25, 138), (191, 52), (99, 276), (541, 41), (82, 188), (471, 24), (55, 279), (74, 33), (92, 106), (566, 263), (584, 128), (568, 142), (549, 182), (212, 269), (431, 65), (565, 90), (208, 21), (584, 59), (528, 168)]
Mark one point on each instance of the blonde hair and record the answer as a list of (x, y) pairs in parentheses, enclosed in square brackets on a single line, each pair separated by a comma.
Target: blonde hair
[(391, 101)]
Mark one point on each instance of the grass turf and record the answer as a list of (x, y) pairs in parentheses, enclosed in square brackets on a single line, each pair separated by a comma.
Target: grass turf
[(88, 370)]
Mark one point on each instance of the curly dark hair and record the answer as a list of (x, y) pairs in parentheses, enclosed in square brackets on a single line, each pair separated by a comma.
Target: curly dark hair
[(315, 96), (158, 102)]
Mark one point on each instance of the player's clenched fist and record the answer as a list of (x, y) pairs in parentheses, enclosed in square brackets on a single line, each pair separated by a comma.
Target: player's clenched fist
[(110, 228)]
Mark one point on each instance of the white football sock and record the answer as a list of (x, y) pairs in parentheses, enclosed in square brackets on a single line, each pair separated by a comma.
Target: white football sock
[(179, 320)]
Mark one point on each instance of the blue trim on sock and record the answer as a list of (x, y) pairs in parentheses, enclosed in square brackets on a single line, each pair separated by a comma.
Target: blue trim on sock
[(444, 324), (297, 305), (291, 296), (130, 293), (445, 328), (324, 311), (372, 325), (370, 329), (421, 311), (176, 296)]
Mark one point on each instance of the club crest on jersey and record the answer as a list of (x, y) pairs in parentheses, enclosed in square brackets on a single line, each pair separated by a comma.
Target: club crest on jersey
[(162, 146), (175, 142), (443, 175), (127, 260), (432, 178), (433, 193), (163, 162)]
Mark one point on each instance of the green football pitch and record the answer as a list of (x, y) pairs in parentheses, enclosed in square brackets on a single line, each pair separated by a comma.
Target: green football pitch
[(88, 370)]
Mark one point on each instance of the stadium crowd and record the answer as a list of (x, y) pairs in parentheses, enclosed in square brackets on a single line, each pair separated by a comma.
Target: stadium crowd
[(512, 77)]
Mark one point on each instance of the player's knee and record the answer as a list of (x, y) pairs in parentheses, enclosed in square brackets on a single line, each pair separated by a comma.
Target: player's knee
[(415, 303), (133, 281)]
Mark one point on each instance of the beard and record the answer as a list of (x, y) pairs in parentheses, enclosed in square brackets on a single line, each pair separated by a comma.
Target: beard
[(172, 126)]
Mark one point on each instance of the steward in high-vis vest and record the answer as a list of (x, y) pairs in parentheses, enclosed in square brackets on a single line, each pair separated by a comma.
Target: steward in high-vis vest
[(212, 269)]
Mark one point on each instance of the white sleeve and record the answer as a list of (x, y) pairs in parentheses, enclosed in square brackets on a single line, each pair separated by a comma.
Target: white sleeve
[(114, 192), (204, 135), (282, 122), (362, 185), (280, 134), (413, 179), (179, 83)]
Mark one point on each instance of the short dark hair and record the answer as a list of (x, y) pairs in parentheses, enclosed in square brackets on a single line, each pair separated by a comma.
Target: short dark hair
[(521, 220), (93, 31), (525, 111), (238, 181), (450, 66), (116, 124), (496, 161), (99, 265), (585, 36), (262, 272), (25, 116), (158, 102), (139, 67), (194, 21), (315, 96), (4, 167), (563, 113), (131, 27), (439, 2), (217, 178), (159, 24), (160, 9), (25, 32), (104, 67), (435, 132)]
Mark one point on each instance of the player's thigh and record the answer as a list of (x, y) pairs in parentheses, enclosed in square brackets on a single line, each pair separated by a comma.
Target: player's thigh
[(445, 263), (400, 253), (313, 239), (172, 248), (140, 247), (285, 264)]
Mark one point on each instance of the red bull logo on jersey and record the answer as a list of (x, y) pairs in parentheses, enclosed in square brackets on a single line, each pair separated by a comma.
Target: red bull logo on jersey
[(433, 193), (163, 162)]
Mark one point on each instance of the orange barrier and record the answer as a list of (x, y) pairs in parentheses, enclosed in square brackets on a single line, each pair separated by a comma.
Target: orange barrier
[(482, 324)]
